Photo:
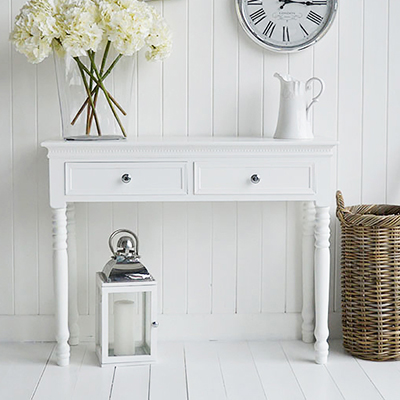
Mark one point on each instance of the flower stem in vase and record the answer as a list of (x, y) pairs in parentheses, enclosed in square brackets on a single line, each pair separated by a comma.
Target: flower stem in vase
[(89, 114), (106, 94), (83, 69), (96, 89)]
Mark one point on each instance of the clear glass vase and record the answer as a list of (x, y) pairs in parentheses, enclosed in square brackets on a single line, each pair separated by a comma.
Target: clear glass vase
[(110, 96)]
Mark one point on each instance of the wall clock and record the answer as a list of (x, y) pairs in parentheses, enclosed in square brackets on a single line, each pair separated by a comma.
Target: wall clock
[(286, 25)]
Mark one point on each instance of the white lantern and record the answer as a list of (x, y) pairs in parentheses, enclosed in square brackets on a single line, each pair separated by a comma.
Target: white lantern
[(126, 299)]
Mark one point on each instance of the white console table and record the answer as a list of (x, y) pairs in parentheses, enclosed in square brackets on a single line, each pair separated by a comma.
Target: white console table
[(182, 169)]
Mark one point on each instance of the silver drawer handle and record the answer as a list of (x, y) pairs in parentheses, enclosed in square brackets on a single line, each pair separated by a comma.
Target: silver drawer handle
[(126, 178), (255, 179)]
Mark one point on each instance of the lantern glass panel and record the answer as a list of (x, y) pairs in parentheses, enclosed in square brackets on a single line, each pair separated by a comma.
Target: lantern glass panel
[(129, 324)]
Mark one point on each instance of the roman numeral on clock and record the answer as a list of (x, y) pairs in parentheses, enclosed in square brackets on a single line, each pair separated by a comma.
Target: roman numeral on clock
[(304, 30), (285, 34), (258, 16), (256, 3), (314, 17), (269, 29)]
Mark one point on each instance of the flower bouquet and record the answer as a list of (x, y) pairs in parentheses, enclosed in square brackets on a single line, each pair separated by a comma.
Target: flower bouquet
[(90, 39)]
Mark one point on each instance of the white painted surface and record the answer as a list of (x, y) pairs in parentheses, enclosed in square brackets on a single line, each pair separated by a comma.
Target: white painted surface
[(239, 96), (198, 371), (310, 160)]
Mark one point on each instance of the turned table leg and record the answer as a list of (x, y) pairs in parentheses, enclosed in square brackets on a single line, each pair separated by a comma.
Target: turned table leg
[(322, 266), (308, 311), (60, 265), (72, 278)]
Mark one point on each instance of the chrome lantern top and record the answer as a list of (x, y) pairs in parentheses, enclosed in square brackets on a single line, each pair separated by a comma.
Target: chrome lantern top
[(124, 265), (127, 246)]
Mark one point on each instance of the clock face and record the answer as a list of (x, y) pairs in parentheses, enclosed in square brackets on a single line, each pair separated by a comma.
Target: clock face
[(286, 25)]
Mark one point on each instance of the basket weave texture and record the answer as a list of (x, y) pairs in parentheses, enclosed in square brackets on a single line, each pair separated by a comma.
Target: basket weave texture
[(370, 267)]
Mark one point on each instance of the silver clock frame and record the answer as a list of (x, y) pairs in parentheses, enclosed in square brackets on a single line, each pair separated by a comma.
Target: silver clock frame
[(262, 41)]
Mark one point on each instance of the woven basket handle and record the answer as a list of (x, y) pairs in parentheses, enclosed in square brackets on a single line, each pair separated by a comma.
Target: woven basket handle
[(339, 200)]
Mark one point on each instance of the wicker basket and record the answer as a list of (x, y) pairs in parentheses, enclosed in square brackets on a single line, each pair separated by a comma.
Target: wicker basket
[(370, 279)]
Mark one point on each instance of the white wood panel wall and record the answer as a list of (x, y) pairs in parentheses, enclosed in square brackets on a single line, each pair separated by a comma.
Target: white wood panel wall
[(210, 258)]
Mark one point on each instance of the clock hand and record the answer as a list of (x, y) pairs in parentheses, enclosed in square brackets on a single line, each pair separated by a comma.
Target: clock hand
[(306, 3)]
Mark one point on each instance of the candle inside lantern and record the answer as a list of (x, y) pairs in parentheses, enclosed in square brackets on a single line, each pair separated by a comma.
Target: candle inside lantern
[(124, 327)]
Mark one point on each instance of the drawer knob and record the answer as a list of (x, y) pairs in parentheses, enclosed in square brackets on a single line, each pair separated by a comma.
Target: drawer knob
[(255, 179), (126, 178)]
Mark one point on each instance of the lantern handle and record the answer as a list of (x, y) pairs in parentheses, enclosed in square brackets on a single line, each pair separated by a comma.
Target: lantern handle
[(118, 231)]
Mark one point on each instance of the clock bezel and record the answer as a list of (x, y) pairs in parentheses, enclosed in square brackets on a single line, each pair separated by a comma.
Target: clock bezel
[(263, 41)]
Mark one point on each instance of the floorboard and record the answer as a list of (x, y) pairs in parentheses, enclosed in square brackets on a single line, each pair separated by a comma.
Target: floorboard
[(315, 381), (21, 368), (168, 375), (239, 372), (265, 370), (93, 381), (61, 380), (352, 380), (131, 383), (276, 374), (204, 375), (385, 377)]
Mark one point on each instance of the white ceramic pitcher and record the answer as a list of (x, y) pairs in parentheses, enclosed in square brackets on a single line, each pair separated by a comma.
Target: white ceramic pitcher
[(293, 122)]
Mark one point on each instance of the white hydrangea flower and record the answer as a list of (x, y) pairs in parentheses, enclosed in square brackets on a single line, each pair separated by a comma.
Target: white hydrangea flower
[(78, 26), (127, 23), (34, 30), (159, 39), (81, 26)]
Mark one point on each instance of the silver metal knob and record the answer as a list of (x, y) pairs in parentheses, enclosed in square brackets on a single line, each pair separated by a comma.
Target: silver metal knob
[(155, 324), (126, 178), (255, 179)]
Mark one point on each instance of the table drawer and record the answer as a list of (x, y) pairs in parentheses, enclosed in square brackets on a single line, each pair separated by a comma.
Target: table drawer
[(253, 177), (130, 178)]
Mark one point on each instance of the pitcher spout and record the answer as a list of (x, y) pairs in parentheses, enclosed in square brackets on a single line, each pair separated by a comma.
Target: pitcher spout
[(282, 78)]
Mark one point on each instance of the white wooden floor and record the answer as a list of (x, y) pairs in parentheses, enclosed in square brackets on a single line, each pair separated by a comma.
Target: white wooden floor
[(197, 371)]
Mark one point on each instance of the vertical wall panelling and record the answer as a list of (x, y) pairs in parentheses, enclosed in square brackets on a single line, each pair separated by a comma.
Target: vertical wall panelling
[(149, 97), (99, 229), (175, 70), (273, 257), (293, 256), (24, 120), (224, 261), (6, 172), (199, 257), (200, 79), (251, 82), (393, 164), (125, 216), (249, 258), (350, 92), (326, 68), (175, 258), (209, 258), (375, 101), (48, 127), (225, 68), (150, 232), (82, 245)]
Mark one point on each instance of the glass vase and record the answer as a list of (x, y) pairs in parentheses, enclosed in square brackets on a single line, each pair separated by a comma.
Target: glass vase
[(95, 94)]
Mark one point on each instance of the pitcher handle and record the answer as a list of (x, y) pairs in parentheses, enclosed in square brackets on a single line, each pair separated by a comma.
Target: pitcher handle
[(315, 98)]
